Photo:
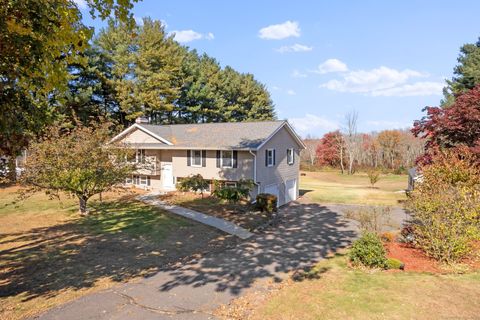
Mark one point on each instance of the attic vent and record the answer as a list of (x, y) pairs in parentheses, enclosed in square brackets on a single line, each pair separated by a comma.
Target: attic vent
[(143, 120)]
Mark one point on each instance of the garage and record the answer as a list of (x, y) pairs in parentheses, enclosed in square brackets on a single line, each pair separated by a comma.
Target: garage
[(291, 190), (273, 189)]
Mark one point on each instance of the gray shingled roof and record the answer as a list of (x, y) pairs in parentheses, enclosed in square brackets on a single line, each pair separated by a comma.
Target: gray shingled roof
[(231, 135)]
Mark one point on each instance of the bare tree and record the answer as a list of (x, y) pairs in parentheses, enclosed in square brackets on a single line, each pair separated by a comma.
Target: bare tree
[(309, 154), (351, 139)]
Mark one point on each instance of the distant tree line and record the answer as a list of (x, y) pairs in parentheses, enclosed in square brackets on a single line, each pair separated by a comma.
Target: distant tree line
[(391, 150)]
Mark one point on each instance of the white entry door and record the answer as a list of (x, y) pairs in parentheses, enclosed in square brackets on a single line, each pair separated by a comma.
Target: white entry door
[(291, 194), (167, 176), (273, 189)]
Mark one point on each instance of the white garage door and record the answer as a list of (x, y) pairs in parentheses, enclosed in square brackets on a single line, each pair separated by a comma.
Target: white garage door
[(272, 189), (291, 192)]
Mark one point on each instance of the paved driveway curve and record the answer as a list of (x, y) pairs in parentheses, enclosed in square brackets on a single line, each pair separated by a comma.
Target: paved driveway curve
[(305, 234)]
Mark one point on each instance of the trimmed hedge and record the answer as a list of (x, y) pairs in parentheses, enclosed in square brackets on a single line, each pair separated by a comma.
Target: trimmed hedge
[(368, 251), (267, 202)]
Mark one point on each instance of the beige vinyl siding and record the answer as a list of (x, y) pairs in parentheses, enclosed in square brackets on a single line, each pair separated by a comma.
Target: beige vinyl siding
[(244, 168), (138, 136), (281, 171)]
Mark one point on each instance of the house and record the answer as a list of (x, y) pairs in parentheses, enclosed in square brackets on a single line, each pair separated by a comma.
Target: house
[(414, 177), (266, 152)]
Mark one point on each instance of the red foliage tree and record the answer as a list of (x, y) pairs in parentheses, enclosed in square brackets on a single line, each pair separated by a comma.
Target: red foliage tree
[(328, 150), (453, 126)]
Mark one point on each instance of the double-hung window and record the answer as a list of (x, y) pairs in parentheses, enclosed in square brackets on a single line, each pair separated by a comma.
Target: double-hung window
[(290, 156), (140, 157), (196, 158), (270, 161), (227, 159)]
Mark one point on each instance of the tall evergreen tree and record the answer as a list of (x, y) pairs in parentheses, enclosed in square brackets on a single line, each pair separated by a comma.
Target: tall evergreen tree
[(466, 73)]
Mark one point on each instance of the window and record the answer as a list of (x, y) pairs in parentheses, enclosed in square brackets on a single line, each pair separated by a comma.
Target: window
[(270, 160), (196, 158), (230, 184), (128, 180), (290, 156), (140, 156), (227, 159), (144, 181)]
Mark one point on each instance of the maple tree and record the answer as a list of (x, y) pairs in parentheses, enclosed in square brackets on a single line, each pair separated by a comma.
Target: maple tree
[(329, 149), (452, 127)]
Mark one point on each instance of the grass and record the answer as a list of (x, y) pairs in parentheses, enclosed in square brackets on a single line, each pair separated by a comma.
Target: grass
[(50, 255), (344, 293), (333, 187)]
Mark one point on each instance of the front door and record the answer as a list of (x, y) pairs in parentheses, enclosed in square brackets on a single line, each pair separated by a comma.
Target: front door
[(167, 176)]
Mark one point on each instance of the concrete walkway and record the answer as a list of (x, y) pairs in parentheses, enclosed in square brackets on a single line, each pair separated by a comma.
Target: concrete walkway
[(225, 226), (305, 234)]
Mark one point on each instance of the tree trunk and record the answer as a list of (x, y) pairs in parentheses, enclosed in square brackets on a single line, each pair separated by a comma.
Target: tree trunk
[(83, 205), (341, 160), (12, 168)]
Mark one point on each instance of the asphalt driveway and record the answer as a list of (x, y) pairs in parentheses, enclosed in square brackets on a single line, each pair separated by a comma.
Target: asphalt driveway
[(305, 234)]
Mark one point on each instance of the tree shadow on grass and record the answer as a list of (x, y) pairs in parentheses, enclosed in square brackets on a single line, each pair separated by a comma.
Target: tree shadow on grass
[(121, 240), (306, 234)]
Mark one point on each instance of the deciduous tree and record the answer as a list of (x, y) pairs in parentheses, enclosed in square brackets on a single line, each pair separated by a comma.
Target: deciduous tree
[(457, 125), (78, 161)]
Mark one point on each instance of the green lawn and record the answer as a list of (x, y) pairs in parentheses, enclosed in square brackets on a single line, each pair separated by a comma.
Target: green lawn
[(333, 187), (50, 255), (344, 293)]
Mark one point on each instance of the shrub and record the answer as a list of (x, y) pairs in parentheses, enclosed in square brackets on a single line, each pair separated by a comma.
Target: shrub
[(392, 264), (373, 176), (267, 202), (368, 251), (387, 237), (233, 194), (371, 218), (193, 183), (446, 206)]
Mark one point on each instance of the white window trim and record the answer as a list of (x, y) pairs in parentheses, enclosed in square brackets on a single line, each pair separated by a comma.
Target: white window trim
[(221, 159), (192, 157), (140, 182), (231, 184), (268, 162), (293, 156)]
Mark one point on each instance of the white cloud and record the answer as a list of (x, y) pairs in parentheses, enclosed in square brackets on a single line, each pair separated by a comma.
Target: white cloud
[(184, 36), (331, 65), (294, 48), (298, 74), (416, 89), (209, 36), (312, 124), (280, 31), (376, 81), (291, 92), (81, 4), (275, 88)]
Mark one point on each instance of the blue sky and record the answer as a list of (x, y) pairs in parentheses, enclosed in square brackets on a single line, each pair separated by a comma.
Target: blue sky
[(323, 59)]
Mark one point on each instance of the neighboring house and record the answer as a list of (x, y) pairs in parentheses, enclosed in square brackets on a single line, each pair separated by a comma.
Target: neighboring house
[(266, 152), (19, 164), (413, 177)]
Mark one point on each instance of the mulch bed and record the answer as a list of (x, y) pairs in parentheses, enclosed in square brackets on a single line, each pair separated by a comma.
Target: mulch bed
[(415, 260)]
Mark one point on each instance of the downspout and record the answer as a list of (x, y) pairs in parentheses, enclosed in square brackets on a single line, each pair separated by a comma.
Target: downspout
[(254, 171), (254, 166)]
